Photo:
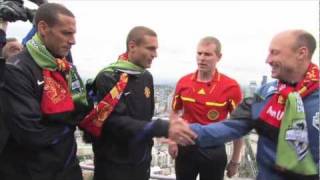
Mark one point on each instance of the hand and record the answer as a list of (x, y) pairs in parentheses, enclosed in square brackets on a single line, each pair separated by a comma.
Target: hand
[(180, 132), (173, 150), (232, 168)]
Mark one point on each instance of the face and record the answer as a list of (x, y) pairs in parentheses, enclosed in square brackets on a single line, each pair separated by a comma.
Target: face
[(60, 37), (207, 57), (144, 53), (282, 58), (12, 48)]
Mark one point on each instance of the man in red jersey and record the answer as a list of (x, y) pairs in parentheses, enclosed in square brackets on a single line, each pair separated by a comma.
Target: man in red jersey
[(205, 96)]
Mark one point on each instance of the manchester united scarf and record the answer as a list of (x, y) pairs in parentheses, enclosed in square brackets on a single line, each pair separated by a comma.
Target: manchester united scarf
[(59, 95), (93, 122), (285, 110)]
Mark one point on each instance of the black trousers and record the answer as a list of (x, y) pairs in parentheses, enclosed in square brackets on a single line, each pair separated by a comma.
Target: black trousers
[(209, 163), (111, 171)]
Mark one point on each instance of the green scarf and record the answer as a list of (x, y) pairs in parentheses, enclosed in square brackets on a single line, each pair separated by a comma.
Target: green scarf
[(293, 145), (124, 65)]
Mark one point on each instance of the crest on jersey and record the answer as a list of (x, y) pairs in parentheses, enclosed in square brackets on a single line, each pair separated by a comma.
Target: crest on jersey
[(297, 136), (213, 115), (147, 92)]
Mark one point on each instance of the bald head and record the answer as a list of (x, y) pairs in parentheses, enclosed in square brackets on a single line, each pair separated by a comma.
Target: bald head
[(304, 39), (290, 54), (297, 39)]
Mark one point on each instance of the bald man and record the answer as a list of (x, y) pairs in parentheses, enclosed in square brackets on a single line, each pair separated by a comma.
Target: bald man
[(285, 113)]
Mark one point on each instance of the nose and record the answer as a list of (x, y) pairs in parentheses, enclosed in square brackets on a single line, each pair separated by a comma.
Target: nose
[(154, 54), (268, 60), (72, 40), (200, 57)]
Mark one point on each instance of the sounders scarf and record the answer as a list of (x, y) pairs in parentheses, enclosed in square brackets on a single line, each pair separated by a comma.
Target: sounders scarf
[(285, 110), (58, 95), (93, 122)]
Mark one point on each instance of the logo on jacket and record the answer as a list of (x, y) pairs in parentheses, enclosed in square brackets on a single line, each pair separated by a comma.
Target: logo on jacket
[(213, 115), (40, 82), (316, 121), (147, 92), (202, 92), (297, 136), (278, 114)]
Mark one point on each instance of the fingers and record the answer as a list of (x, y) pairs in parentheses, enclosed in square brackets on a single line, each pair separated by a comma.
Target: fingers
[(185, 139), (173, 150), (181, 133)]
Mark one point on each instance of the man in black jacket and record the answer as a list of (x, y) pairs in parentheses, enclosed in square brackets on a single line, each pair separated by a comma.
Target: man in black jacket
[(46, 99), (123, 150)]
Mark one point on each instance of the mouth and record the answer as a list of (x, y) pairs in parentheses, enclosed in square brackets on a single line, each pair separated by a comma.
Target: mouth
[(202, 65), (274, 69)]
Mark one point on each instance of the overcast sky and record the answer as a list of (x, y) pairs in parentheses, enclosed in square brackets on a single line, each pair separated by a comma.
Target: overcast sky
[(244, 28)]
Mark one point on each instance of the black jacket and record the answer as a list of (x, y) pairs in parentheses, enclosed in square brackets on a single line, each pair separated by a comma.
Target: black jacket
[(37, 148), (130, 117), (3, 130)]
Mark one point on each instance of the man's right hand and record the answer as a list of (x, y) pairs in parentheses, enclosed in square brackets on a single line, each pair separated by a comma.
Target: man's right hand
[(180, 132)]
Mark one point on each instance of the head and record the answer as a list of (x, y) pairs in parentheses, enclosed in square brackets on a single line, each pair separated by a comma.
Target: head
[(142, 45), (56, 27), (12, 47), (208, 54), (290, 54)]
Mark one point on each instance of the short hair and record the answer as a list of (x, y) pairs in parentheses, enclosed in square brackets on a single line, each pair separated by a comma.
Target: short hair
[(11, 39), (49, 12), (304, 38), (137, 34), (212, 40)]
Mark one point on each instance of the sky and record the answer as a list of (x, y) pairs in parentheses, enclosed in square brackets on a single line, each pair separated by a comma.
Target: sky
[(245, 29)]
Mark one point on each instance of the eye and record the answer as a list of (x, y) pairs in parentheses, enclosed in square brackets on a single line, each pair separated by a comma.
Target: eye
[(207, 54), (274, 52)]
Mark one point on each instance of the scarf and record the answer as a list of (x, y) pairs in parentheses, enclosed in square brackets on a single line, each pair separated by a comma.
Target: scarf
[(285, 111), (93, 122), (59, 95)]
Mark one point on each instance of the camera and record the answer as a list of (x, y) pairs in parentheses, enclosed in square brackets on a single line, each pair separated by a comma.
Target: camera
[(13, 10)]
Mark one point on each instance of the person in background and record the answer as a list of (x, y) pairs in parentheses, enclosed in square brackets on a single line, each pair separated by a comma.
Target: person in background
[(206, 96)]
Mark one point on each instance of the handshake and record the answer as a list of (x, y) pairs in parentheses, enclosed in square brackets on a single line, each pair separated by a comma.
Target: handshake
[(13, 10), (180, 132)]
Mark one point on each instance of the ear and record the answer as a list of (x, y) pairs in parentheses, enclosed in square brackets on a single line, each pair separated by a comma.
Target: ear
[(302, 53), (132, 44), (219, 56), (42, 28)]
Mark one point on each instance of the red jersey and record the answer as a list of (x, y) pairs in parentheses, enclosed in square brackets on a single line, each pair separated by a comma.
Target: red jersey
[(206, 102)]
